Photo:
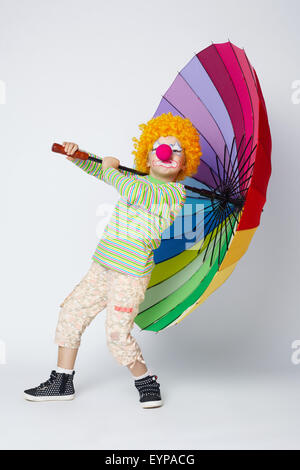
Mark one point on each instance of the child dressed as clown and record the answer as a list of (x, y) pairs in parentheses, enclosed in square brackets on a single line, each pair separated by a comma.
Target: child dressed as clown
[(168, 151)]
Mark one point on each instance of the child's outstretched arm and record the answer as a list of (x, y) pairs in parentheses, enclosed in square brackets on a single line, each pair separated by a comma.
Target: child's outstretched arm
[(90, 167), (135, 190)]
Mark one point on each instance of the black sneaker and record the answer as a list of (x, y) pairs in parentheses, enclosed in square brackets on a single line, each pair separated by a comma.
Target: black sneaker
[(57, 387), (149, 390)]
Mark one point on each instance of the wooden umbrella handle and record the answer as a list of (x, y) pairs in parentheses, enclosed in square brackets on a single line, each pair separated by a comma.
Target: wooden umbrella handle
[(78, 154), (85, 156)]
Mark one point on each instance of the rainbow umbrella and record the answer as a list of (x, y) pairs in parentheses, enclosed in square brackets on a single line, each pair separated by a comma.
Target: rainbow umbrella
[(218, 90)]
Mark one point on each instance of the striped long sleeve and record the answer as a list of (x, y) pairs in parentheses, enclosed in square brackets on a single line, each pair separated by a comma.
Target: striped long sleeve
[(165, 199)]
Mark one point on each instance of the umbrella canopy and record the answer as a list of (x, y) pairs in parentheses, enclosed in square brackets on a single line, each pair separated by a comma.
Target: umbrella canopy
[(218, 90)]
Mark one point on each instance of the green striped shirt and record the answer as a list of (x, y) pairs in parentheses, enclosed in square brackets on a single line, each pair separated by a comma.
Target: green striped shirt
[(146, 208)]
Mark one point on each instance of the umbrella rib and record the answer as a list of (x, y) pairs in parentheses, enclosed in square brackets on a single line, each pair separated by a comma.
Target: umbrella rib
[(218, 159), (239, 191), (197, 225), (221, 229), (229, 161), (220, 216), (201, 196), (209, 222), (250, 167), (195, 228), (237, 180), (215, 218), (219, 174), (212, 173), (227, 240), (226, 233), (236, 173), (238, 184), (209, 213), (234, 215), (205, 207), (248, 158), (246, 189), (203, 162), (236, 159), (223, 221), (224, 164), (229, 219), (236, 187)]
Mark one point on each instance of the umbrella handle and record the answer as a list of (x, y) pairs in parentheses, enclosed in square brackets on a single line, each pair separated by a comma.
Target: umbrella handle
[(86, 156), (78, 154)]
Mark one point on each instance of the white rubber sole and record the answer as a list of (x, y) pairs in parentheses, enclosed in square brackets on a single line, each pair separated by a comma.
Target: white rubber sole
[(54, 398), (151, 404)]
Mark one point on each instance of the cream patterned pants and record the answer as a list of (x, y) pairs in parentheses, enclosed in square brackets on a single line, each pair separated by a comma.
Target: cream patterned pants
[(101, 288)]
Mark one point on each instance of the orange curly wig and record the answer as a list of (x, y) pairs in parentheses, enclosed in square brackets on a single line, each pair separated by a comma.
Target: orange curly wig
[(163, 126)]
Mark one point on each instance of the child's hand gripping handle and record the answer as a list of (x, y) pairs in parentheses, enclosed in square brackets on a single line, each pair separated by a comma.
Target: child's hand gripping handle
[(86, 156), (78, 154)]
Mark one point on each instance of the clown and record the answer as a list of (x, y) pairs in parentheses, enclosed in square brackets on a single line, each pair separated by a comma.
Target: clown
[(168, 151), (168, 148)]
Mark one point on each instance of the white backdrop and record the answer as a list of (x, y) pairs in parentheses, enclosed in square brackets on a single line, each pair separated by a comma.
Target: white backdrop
[(90, 72)]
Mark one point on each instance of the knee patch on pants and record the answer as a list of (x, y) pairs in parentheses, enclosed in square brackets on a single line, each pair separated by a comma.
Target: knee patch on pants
[(123, 309), (120, 342)]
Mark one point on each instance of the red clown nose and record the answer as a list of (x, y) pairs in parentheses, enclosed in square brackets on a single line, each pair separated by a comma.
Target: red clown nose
[(164, 152)]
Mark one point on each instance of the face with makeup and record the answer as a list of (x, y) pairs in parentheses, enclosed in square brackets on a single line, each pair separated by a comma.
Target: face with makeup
[(166, 170)]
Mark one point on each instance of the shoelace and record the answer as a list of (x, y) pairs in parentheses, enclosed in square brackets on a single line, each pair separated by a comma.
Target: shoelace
[(50, 381), (63, 384)]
